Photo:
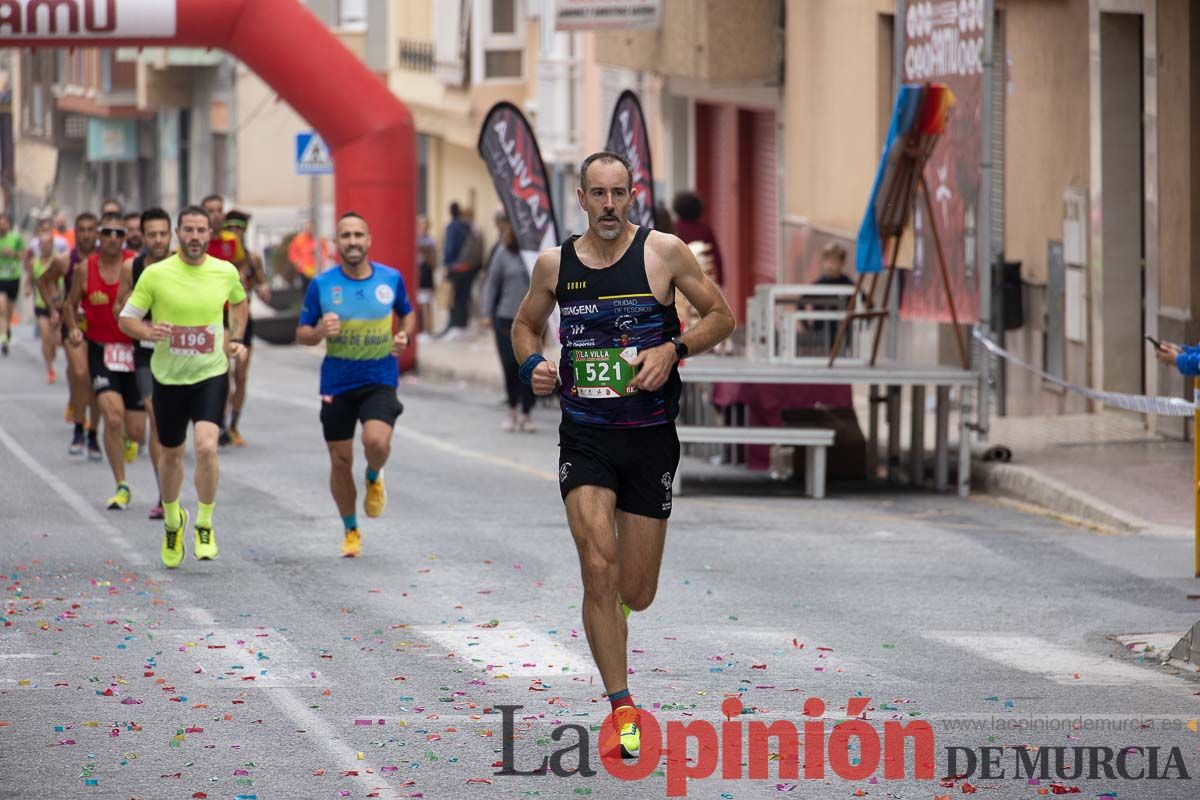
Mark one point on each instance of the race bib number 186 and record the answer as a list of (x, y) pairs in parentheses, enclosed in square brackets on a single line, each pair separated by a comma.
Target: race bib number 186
[(118, 357)]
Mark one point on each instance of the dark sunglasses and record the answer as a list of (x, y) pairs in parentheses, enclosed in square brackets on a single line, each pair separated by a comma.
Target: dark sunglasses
[(113, 232)]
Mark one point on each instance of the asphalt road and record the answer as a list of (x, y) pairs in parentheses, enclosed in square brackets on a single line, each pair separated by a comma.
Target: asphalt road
[(282, 671)]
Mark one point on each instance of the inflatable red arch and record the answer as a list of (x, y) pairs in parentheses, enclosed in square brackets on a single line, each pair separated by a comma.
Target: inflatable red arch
[(369, 131)]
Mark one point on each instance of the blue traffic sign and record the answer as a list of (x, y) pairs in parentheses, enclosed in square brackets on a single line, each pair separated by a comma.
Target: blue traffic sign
[(312, 155)]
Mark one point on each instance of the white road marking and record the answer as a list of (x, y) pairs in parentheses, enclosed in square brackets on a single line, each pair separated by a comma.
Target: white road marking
[(281, 697), (329, 739), (514, 651), (1057, 663), (243, 657), (202, 617), (82, 507), (425, 440)]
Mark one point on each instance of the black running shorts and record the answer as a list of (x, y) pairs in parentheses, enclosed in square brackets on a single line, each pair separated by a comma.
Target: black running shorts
[(636, 463), (106, 380), (177, 405), (11, 288), (341, 412), (145, 381)]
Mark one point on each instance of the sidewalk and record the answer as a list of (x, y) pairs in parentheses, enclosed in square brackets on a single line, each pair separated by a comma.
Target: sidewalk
[(1102, 469)]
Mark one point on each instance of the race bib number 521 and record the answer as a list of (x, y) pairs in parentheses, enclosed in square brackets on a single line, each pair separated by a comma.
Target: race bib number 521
[(603, 372), (193, 340)]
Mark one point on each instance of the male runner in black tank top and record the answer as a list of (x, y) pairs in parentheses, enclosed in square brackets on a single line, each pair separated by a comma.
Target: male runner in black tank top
[(156, 237), (620, 338)]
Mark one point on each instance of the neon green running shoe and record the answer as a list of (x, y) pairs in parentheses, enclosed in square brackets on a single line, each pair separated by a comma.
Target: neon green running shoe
[(120, 500), (172, 545), (206, 543)]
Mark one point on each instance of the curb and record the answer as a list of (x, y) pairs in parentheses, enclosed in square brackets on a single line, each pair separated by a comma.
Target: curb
[(436, 372), (1037, 488)]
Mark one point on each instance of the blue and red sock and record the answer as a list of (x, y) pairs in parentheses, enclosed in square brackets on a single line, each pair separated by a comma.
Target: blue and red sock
[(621, 698)]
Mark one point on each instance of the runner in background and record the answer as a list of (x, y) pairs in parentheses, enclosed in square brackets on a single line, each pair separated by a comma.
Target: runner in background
[(133, 233), (38, 258), (61, 273), (156, 232), (94, 288), (62, 230), (254, 278), (226, 246), (12, 251)]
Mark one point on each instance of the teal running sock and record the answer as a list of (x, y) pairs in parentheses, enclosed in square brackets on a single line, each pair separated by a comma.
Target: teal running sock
[(372, 475), (350, 521)]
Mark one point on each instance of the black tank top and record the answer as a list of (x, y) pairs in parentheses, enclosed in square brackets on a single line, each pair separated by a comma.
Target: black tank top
[(143, 350), (606, 312)]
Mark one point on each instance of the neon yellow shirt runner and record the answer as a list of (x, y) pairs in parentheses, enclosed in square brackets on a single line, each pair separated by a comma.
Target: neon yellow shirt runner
[(192, 300), (40, 265)]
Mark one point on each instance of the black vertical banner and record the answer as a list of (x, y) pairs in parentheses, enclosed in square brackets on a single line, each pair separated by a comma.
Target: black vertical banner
[(509, 148), (627, 135)]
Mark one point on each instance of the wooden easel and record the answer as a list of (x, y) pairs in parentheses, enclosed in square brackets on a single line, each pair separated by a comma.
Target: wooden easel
[(906, 179)]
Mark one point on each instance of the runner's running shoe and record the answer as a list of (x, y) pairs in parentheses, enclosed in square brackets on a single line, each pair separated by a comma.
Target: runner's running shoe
[(120, 500), (172, 545), (76, 448), (376, 498), (131, 450), (351, 544), (157, 511), (206, 544), (235, 438), (627, 736), (93, 447)]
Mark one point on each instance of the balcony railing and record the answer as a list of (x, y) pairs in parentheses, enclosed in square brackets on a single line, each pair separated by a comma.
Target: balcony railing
[(416, 55)]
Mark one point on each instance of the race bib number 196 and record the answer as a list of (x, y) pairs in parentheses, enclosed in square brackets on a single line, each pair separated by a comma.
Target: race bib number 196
[(193, 340), (604, 372)]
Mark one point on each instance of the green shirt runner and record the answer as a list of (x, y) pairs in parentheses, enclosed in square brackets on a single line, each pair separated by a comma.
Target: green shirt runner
[(12, 249), (192, 300)]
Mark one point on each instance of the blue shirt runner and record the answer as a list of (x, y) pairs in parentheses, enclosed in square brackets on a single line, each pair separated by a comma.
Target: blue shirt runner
[(361, 353)]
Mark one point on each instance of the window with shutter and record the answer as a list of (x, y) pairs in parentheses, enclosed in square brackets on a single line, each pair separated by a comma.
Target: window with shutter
[(499, 41), (450, 41)]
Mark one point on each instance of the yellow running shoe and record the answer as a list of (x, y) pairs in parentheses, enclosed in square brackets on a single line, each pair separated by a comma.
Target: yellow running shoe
[(376, 499), (628, 737), (206, 544), (352, 544), (120, 500), (131, 450), (172, 545)]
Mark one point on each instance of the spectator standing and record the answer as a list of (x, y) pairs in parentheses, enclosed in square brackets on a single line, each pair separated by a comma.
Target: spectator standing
[(426, 258), (462, 252), (688, 227), (504, 288)]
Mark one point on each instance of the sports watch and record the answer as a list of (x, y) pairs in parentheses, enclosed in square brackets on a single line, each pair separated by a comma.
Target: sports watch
[(681, 349)]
